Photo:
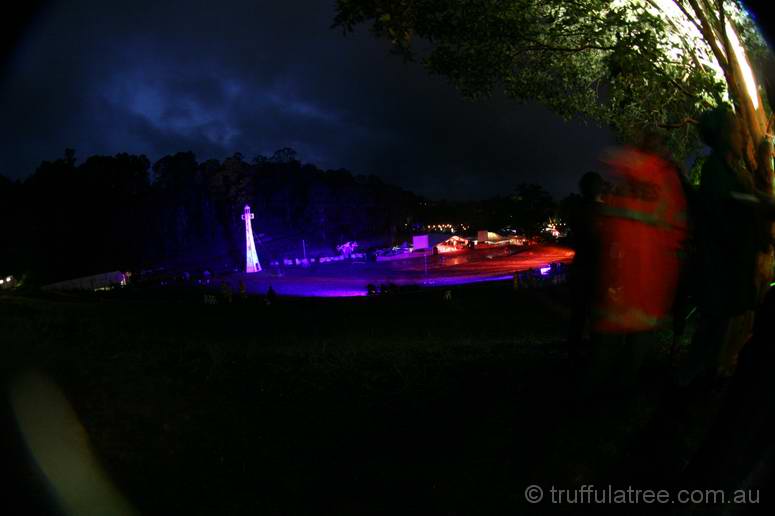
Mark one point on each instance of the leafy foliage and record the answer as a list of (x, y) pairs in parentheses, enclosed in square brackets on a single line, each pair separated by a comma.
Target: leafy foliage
[(627, 64)]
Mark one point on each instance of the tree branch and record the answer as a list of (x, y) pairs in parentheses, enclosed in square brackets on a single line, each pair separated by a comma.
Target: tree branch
[(688, 93), (683, 123), (552, 48), (693, 21), (682, 7), (710, 36), (716, 22), (676, 83)]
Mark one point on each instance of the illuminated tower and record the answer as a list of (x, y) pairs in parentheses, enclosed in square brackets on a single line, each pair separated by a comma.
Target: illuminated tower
[(251, 259)]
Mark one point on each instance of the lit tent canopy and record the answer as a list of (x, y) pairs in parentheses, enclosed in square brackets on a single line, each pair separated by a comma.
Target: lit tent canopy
[(441, 242), (629, 64), (484, 237)]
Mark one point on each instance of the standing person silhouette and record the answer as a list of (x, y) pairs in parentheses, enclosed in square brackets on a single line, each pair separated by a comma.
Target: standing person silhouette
[(727, 244), (585, 240)]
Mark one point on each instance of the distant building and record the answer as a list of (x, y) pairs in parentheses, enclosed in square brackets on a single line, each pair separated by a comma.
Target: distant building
[(438, 242), (103, 281), (7, 282), (490, 238)]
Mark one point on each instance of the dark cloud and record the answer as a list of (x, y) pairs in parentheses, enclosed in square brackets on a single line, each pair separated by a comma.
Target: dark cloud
[(221, 77)]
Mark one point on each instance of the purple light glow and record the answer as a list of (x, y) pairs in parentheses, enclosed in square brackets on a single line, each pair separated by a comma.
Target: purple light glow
[(350, 280), (545, 270)]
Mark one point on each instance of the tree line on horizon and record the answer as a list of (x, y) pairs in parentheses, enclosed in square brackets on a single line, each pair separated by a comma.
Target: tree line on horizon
[(123, 213)]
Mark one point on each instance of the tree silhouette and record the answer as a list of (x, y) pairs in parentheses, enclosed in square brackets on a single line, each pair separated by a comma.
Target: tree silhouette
[(119, 212)]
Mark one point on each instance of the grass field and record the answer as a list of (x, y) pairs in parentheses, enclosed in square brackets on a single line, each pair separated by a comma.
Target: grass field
[(393, 404)]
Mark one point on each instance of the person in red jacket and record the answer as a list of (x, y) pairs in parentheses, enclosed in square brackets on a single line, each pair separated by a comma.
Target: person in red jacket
[(643, 224)]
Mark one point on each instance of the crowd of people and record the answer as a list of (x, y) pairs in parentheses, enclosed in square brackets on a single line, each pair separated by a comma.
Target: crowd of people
[(651, 249)]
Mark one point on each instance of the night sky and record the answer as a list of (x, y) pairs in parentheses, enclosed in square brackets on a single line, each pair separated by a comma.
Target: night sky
[(251, 77)]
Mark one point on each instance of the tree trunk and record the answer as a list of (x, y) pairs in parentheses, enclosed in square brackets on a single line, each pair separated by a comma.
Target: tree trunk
[(758, 154)]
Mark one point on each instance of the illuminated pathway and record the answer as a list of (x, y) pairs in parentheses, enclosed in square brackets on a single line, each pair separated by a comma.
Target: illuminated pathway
[(350, 279)]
